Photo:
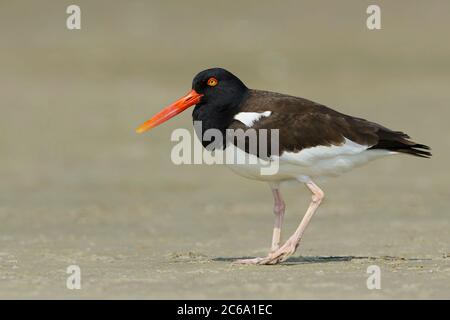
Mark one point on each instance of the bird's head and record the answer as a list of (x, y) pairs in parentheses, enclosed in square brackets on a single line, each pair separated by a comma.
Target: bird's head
[(211, 88)]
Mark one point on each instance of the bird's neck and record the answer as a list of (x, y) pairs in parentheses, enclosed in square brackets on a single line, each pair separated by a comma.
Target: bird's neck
[(216, 116)]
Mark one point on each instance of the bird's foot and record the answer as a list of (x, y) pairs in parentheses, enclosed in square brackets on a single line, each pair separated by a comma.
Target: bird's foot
[(281, 254), (248, 261), (274, 257)]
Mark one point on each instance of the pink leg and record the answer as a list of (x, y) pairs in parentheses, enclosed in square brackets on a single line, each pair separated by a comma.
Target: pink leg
[(278, 210), (292, 243)]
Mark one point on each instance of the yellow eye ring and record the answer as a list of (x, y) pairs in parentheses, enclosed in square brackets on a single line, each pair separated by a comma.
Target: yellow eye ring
[(212, 82)]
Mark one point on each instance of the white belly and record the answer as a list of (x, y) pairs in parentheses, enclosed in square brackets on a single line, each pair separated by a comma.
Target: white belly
[(308, 163)]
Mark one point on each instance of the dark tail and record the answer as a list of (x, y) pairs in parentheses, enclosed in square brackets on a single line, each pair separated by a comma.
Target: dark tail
[(398, 141)]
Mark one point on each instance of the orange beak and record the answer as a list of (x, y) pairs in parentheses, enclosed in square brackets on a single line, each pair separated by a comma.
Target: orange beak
[(171, 111)]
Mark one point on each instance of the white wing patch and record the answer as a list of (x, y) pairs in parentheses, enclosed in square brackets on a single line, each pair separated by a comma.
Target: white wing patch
[(249, 118)]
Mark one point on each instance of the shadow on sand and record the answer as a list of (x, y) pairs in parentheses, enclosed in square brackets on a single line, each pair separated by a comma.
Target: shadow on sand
[(325, 259)]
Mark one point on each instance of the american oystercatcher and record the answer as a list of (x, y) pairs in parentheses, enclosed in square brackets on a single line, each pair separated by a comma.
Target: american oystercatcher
[(314, 140)]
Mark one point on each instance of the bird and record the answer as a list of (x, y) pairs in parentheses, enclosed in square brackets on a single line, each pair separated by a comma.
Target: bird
[(314, 141)]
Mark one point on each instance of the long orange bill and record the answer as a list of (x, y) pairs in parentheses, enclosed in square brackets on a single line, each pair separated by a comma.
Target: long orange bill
[(171, 111)]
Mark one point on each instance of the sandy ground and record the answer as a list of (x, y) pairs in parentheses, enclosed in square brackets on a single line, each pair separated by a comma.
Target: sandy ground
[(78, 186)]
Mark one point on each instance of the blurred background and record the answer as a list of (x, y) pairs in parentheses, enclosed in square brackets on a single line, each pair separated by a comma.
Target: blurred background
[(78, 186)]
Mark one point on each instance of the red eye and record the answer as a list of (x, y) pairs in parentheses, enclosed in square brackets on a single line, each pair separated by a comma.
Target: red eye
[(212, 82)]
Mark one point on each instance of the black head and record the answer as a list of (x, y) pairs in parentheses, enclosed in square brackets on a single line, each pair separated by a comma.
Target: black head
[(222, 93), (219, 87)]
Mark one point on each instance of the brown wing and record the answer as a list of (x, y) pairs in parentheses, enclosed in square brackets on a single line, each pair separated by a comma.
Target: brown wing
[(303, 124)]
